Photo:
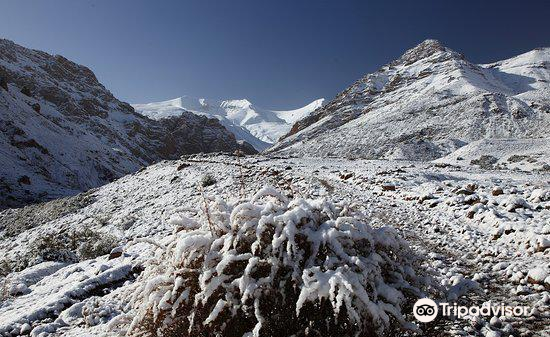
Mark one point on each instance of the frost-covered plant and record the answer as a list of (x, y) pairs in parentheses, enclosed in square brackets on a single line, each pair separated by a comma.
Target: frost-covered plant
[(96, 244), (5, 267), (271, 267), (207, 180), (81, 244), (97, 311), (5, 287), (52, 247)]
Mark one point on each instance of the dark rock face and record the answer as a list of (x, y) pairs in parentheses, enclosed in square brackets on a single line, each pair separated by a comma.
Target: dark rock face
[(3, 83), (67, 133), (189, 133)]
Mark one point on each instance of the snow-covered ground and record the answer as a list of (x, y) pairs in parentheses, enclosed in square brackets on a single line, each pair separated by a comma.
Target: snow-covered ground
[(257, 126), (483, 235), (519, 154)]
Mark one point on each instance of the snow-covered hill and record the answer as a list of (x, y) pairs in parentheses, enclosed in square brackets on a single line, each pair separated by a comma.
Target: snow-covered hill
[(520, 154), (480, 235), (427, 104), (257, 126), (62, 132)]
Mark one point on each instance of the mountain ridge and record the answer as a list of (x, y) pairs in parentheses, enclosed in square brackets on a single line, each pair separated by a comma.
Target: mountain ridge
[(255, 125), (63, 132), (426, 104)]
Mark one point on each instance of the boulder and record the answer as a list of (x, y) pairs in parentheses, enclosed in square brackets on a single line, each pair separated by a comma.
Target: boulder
[(3, 83), (26, 91), (497, 191)]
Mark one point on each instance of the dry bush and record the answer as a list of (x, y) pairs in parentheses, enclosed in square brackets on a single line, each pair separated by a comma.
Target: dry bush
[(71, 246), (208, 180), (271, 267)]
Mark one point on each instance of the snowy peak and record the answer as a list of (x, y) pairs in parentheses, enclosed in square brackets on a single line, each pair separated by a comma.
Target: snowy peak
[(537, 57), (255, 125), (427, 49), (292, 116), (428, 103), (236, 103)]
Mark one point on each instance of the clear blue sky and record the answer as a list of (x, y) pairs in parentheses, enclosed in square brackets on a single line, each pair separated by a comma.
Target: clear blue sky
[(278, 54)]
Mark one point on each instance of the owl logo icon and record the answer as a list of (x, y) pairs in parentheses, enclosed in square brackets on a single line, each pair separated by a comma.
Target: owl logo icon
[(425, 310)]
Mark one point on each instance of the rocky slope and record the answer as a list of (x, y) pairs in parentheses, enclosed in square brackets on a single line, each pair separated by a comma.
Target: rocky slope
[(257, 126), (61, 131), (427, 104), (482, 235)]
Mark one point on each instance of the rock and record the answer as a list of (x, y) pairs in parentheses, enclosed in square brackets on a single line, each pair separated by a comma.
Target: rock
[(537, 275), (513, 203), (495, 321), (25, 329), (36, 107), (346, 175), (424, 197), (542, 244), (522, 290), (102, 268), (26, 91), (182, 166), (491, 333), (24, 180), (540, 195), (485, 161), (388, 187), (3, 83), (466, 190), (115, 252), (497, 191), (472, 199)]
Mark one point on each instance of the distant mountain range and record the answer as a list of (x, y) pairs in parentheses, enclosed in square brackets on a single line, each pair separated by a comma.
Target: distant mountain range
[(426, 104), (62, 132), (257, 126)]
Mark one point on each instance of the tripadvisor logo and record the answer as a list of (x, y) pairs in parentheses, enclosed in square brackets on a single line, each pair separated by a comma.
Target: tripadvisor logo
[(425, 310)]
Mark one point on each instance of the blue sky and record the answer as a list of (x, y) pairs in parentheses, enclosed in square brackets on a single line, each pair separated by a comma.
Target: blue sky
[(278, 54)]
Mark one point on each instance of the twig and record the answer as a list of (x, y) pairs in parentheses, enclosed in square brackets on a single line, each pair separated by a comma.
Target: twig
[(207, 211), (238, 153)]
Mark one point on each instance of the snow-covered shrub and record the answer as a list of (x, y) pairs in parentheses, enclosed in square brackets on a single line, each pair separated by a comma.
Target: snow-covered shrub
[(96, 311), (81, 244), (92, 244), (52, 247), (270, 267), (12, 264), (207, 180), (6, 267)]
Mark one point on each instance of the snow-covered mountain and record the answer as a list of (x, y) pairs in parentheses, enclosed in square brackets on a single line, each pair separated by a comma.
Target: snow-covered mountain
[(61, 131), (427, 104), (257, 126)]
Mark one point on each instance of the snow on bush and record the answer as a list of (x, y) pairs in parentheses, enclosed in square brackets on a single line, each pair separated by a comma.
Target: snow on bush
[(271, 267), (80, 244)]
